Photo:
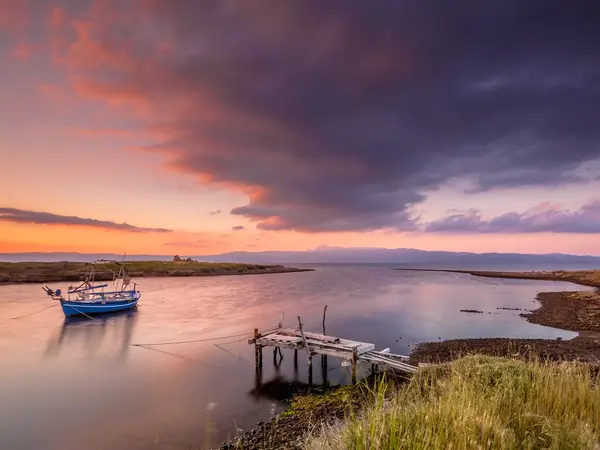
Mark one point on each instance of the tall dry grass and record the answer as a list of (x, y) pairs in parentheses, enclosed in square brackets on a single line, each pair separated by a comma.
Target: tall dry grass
[(478, 402)]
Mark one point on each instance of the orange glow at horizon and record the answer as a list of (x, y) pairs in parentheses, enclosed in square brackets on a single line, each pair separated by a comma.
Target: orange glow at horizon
[(60, 238), (93, 127)]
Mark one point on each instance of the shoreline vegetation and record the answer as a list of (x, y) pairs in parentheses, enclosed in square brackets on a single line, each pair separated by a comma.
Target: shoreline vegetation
[(52, 272), (590, 278), (468, 393)]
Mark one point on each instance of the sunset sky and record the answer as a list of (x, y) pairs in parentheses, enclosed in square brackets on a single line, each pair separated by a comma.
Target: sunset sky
[(199, 127)]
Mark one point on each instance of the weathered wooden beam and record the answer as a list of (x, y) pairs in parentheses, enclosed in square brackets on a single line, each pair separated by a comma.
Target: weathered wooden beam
[(266, 342), (324, 357), (354, 362), (309, 335), (257, 350), (305, 344)]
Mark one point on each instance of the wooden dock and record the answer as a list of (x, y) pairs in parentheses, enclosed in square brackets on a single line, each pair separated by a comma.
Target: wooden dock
[(325, 345)]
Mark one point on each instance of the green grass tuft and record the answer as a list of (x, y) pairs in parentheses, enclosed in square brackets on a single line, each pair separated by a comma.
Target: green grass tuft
[(478, 402)]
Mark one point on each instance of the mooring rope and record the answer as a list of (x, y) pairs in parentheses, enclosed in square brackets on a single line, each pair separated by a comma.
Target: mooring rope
[(182, 357), (81, 312), (194, 340), (35, 312), (243, 336)]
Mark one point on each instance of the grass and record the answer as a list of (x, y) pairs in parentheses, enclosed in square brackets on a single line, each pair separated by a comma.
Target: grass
[(583, 277), (477, 402), (73, 271), (586, 277)]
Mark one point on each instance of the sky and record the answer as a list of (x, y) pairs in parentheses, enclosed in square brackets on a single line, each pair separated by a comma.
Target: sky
[(199, 127)]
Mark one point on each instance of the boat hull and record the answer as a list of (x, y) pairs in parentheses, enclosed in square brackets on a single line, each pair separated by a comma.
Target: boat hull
[(71, 308)]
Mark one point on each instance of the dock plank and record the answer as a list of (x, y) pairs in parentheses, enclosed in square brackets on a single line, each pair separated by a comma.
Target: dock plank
[(347, 349)]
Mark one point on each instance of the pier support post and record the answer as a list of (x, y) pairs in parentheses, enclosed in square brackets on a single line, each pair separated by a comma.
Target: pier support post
[(276, 360), (354, 361), (324, 357), (310, 370), (308, 354), (257, 351), (296, 359)]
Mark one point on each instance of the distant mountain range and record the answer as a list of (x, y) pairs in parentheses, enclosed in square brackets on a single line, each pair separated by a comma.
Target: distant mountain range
[(338, 255)]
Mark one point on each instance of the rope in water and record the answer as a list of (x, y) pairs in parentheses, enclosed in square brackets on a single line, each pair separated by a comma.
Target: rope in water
[(243, 335), (35, 312), (82, 313)]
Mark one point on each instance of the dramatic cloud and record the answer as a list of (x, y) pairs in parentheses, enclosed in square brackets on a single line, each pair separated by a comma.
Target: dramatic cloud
[(340, 115), (237, 228), (543, 218), (44, 218)]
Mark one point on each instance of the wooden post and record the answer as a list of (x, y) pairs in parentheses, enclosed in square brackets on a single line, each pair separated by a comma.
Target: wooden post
[(310, 370), (324, 357), (296, 359), (257, 351), (257, 381), (354, 361), (305, 343)]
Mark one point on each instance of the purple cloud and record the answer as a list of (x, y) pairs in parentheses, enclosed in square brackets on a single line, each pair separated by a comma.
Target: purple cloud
[(237, 228), (347, 126), (45, 218), (543, 218)]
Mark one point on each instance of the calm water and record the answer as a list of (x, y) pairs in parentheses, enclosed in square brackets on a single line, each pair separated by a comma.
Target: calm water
[(83, 385)]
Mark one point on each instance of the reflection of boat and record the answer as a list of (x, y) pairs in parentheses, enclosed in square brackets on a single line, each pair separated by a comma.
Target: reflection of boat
[(108, 334), (90, 298)]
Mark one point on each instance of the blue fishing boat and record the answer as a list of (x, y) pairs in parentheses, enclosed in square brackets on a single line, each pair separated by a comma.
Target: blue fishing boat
[(90, 298)]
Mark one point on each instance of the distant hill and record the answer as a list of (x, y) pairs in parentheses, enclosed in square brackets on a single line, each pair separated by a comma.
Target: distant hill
[(338, 255), (400, 256)]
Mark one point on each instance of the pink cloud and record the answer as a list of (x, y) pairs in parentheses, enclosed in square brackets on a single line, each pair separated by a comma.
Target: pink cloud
[(545, 217), (14, 15)]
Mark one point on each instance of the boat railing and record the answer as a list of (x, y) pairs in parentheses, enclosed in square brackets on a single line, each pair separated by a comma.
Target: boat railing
[(89, 288), (95, 296)]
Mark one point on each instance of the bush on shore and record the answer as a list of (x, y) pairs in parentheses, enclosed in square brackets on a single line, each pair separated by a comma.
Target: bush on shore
[(477, 402)]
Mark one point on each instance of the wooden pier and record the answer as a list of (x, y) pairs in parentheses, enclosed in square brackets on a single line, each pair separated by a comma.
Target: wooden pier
[(325, 345)]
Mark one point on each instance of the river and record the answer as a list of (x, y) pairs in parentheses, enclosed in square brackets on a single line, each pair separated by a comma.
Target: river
[(84, 384)]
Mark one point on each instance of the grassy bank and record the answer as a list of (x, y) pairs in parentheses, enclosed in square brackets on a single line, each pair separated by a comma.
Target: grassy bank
[(48, 272), (477, 402), (583, 277)]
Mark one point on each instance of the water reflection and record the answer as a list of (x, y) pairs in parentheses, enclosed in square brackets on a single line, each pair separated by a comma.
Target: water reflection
[(113, 332), (279, 387), (166, 395)]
